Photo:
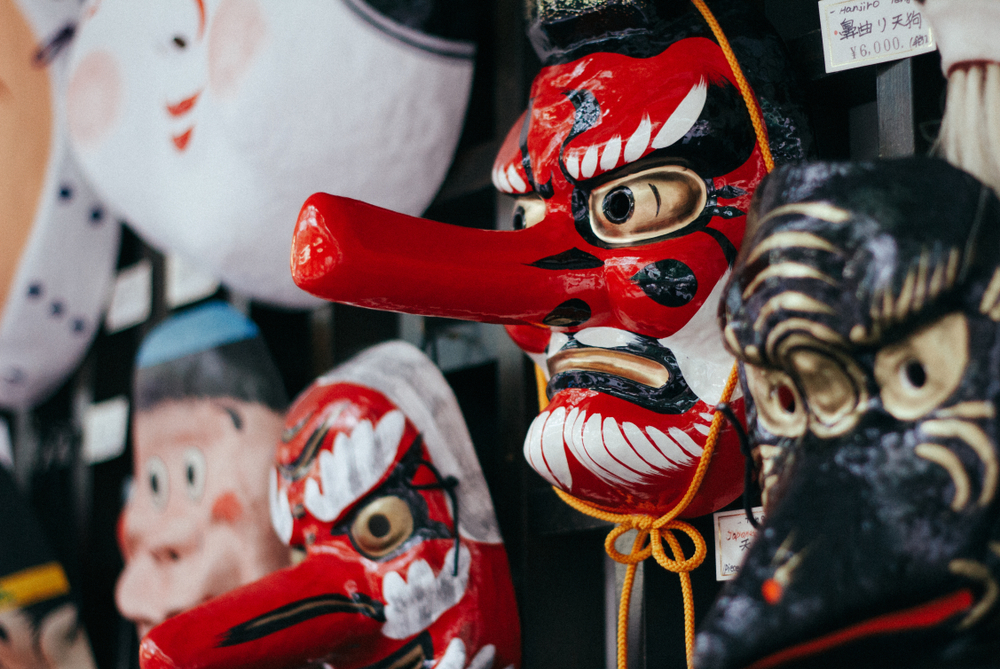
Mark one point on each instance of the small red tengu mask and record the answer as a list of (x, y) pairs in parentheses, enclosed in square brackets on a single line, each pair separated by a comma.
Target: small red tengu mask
[(377, 480), (632, 175)]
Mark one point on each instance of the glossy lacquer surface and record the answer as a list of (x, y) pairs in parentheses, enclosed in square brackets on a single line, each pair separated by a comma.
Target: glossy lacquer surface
[(632, 168), (864, 308), (404, 564)]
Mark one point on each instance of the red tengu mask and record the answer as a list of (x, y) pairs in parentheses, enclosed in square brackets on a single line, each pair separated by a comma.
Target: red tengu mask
[(377, 480), (632, 176)]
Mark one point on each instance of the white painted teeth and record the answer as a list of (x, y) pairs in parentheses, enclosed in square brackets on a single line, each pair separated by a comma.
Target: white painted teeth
[(355, 465), (620, 454), (281, 510)]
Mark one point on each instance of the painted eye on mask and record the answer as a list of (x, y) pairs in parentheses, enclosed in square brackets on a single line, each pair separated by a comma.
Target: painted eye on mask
[(382, 526), (779, 406), (646, 204), (195, 469), (158, 481), (919, 373), (528, 211)]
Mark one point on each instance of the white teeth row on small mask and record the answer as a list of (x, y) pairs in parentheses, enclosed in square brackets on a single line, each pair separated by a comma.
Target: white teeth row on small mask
[(618, 454), (281, 510), (355, 464), (411, 605), (454, 657)]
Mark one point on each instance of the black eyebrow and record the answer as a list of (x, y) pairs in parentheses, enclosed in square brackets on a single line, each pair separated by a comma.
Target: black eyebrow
[(235, 416), (48, 51)]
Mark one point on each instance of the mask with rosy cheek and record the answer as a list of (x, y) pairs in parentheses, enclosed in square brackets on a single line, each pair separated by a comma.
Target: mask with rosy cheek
[(377, 481), (632, 168), (207, 410), (207, 121)]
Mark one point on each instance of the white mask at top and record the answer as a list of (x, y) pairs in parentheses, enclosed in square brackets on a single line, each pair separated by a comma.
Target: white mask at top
[(57, 257), (209, 122)]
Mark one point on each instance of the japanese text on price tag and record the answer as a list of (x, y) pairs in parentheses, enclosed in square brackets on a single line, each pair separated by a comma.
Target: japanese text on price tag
[(733, 536), (865, 32)]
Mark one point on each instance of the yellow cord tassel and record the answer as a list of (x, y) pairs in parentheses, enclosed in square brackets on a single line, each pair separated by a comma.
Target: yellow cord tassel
[(657, 529)]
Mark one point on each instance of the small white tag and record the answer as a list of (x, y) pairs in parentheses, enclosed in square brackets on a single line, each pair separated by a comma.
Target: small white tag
[(186, 283), (733, 536), (131, 302), (6, 446), (865, 32), (105, 427)]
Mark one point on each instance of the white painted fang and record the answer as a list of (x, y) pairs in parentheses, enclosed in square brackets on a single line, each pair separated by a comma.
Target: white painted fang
[(611, 470), (579, 448), (502, 182), (573, 166), (554, 451), (612, 150), (685, 441), (645, 448), (515, 180), (589, 163), (704, 429), (683, 118), (639, 141), (354, 466), (668, 447), (622, 451), (281, 510), (707, 416), (533, 446)]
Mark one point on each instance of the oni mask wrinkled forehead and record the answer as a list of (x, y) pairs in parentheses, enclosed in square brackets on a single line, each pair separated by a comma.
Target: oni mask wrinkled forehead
[(607, 110)]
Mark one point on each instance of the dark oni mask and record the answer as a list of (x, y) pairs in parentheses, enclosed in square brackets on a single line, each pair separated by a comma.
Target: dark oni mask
[(864, 308)]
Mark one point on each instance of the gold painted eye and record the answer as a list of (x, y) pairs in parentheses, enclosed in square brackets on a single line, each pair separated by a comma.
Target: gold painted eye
[(381, 526), (779, 406), (528, 210), (647, 204), (919, 373)]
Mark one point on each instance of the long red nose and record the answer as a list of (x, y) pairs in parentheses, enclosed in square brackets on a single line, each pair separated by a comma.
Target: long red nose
[(354, 253)]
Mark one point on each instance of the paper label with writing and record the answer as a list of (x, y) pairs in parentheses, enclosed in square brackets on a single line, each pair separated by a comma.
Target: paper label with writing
[(105, 430), (733, 536), (132, 299), (865, 32)]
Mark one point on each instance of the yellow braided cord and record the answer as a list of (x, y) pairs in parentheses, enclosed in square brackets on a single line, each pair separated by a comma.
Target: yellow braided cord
[(741, 82), (658, 529)]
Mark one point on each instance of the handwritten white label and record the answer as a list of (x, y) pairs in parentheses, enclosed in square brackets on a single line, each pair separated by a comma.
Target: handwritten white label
[(865, 32), (186, 283), (6, 447), (733, 536), (132, 300), (105, 428)]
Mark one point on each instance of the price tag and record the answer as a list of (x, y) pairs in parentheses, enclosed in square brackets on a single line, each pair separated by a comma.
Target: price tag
[(865, 32), (733, 536), (132, 299), (105, 429)]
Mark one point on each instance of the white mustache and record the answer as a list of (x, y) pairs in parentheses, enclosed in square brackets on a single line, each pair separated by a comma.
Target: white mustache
[(618, 454)]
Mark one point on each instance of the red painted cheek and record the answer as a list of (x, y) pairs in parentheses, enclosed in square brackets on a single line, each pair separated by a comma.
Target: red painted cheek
[(227, 508), (93, 97)]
